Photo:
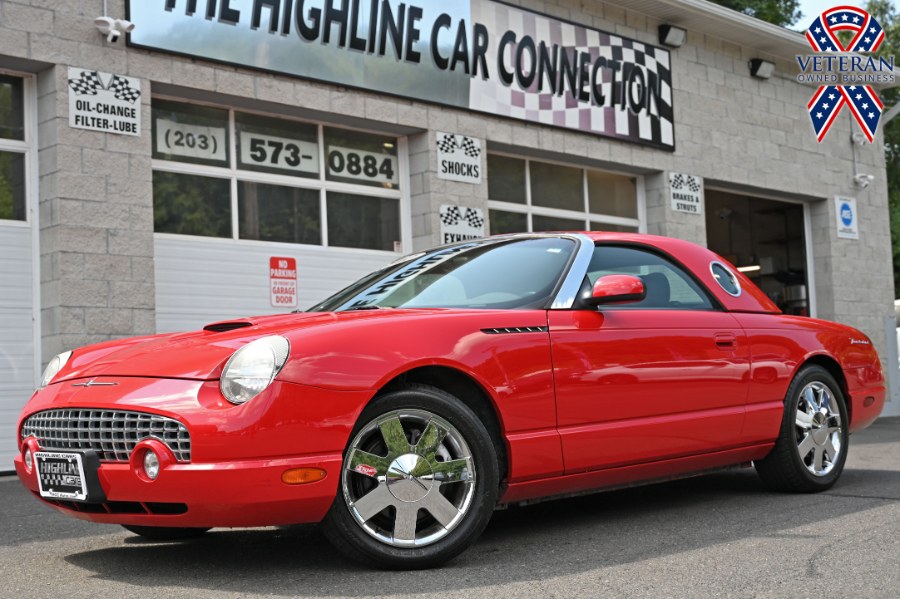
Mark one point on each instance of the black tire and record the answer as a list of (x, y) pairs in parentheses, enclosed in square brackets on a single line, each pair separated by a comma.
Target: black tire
[(165, 533), (372, 541), (785, 469)]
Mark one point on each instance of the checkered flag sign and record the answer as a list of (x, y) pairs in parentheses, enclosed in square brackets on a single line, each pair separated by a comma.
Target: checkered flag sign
[(454, 215), (447, 144), (451, 215), (471, 150), (87, 85), (123, 91), (681, 181), (474, 218)]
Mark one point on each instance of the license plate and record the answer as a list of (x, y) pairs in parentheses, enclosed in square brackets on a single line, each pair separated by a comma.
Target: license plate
[(61, 475)]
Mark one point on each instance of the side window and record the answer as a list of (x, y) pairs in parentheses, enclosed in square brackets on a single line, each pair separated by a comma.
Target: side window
[(667, 285)]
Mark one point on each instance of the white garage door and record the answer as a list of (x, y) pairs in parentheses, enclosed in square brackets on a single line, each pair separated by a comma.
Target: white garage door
[(199, 281), (18, 366)]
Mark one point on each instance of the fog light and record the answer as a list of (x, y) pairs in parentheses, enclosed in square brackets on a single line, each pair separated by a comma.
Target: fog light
[(302, 476), (29, 459), (151, 465)]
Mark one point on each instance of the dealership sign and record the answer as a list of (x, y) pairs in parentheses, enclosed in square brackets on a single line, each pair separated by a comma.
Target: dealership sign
[(479, 55), (104, 102)]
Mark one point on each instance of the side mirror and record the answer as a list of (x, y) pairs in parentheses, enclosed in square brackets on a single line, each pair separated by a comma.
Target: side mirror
[(617, 289)]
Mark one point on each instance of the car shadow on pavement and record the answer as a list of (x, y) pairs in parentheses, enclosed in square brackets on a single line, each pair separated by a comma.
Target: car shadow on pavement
[(521, 544)]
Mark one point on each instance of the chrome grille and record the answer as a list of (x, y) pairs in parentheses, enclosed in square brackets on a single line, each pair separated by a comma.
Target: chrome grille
[(111, 433)]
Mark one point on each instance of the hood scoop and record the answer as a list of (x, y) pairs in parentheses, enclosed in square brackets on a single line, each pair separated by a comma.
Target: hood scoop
[(228, 325)]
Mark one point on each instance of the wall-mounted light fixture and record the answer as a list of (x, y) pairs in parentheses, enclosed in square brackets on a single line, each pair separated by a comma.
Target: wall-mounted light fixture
[(113, 29), (863, 180), (672, 36), (761, 69)]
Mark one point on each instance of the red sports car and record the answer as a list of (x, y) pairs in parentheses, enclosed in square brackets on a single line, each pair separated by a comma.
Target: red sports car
[(403, 410)]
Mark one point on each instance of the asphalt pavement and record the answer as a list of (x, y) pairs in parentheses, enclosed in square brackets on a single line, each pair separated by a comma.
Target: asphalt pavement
[(721, 535)]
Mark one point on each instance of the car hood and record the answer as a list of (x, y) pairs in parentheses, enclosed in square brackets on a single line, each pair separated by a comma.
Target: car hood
[(198, 355)]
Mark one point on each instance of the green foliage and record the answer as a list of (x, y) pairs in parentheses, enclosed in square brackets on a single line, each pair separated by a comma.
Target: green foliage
[(780, 12), (885, 13)]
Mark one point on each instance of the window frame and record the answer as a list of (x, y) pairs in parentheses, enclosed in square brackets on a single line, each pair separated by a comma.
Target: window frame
[(321, 184), (586, 216), (714, 304), (26, 147)]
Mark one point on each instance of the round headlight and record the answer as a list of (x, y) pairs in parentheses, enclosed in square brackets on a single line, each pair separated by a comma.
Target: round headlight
[(151, 465), (54, 367), (29, 459), (253, 368)]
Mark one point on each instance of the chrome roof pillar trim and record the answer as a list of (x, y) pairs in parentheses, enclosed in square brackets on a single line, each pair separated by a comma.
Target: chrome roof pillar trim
[(568, 291)]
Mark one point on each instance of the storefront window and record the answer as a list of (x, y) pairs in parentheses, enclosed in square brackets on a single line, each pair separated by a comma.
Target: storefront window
[(13, 150), (12, 113), (266, 145), (284, 178), (361, 159), (555, 186), (191, 205), (188, 133), (275, 213), (506, 179), (550, 223), (12, 186), (363, 222), (508, 222), (527, 195), (611, 194)]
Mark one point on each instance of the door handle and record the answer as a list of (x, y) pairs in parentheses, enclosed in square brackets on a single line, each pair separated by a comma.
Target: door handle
[(726, 341)]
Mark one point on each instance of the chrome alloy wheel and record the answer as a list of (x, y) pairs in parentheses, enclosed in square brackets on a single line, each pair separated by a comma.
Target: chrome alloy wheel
[(408, 478), (818, 425)]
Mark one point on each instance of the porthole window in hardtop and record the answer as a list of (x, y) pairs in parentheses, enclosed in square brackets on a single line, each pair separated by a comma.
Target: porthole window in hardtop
[(283, 178), (666, 284), (725, 278)]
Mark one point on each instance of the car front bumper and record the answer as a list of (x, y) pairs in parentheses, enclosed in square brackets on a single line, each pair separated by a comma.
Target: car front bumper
[(238, 454)]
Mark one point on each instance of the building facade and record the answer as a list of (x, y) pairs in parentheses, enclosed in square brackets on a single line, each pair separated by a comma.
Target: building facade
[(231, 157)]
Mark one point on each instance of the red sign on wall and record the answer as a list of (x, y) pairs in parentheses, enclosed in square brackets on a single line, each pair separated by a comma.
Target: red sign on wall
[(283, 281)]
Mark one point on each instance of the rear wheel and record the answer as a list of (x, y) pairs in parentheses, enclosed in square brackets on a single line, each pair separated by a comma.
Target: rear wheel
[(419, 482), (165, 533), (811, 449)]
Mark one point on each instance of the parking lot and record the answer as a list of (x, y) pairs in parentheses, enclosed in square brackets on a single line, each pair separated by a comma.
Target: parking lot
[(717, 536)]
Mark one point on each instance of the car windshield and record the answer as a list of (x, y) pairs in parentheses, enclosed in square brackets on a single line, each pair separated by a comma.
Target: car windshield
[(507, 274)]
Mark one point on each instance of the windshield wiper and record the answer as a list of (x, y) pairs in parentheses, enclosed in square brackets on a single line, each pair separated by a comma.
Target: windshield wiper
[(372, 307)]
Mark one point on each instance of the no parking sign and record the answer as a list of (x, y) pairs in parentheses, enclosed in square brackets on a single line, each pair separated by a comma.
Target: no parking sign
[(283, 282)]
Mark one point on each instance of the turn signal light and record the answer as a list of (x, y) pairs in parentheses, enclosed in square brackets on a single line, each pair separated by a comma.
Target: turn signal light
[(302, 476)]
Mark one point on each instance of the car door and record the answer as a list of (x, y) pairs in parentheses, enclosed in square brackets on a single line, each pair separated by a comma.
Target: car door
[(662, 378)]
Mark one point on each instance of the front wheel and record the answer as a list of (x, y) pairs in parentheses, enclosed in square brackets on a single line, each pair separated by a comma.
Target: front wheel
[(811, 449), (419, 481), (165, 533)]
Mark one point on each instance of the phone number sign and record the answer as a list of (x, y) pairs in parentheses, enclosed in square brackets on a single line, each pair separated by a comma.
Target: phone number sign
[(283, 282)]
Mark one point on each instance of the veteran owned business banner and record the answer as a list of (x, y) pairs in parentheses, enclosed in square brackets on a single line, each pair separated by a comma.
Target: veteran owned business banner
[(474, 54)]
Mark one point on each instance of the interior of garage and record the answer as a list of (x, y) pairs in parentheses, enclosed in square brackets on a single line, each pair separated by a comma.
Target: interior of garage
[(765, 239)]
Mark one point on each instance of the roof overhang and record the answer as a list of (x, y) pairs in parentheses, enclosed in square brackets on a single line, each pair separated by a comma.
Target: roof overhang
[(771, 41)]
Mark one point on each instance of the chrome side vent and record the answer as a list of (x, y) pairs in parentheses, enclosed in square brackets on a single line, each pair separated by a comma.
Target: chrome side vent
[(510, 330)]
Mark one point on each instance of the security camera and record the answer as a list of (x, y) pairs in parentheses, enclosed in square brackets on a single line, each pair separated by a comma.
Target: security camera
[(113, 28), (863, 179)]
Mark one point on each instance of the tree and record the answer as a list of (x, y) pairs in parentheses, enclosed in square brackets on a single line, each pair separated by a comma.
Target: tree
[(884, 12), (780, 12)]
